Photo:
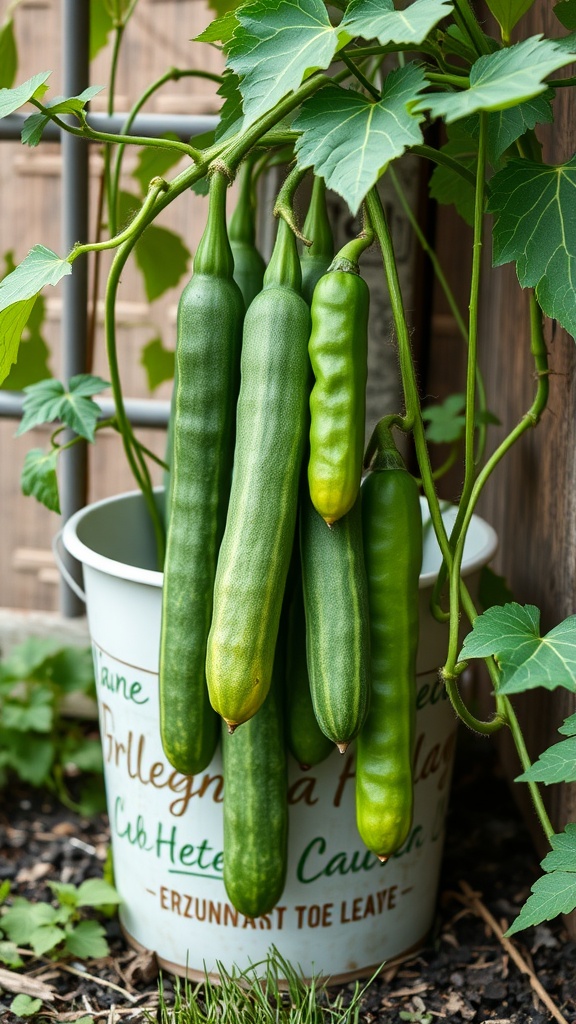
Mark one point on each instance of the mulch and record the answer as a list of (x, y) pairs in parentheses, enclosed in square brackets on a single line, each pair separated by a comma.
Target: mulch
[(466, 972)]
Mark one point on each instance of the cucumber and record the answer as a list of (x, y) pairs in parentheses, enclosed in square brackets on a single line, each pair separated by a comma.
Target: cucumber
[(337, 620), (270, 438), (210, 318), (256, 806)]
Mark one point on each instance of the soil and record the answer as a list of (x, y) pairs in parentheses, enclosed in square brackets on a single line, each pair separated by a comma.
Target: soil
[(466, 972)]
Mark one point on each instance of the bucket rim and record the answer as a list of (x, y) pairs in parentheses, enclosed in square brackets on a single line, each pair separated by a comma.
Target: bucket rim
[(483, 552)]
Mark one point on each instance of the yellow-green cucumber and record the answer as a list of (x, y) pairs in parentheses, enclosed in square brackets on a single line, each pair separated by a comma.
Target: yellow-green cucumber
[(337, 626), (392, 529), (256, 805), (270, 437), (249, 266), (338, 350), (209, 331)]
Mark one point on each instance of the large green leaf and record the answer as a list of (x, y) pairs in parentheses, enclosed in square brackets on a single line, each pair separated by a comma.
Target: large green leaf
[(506, 126), (8, 55), (509, 12), (512, 634), (536, 227), (378, 19), (502, 79), (231, 113), (275, 47), (349, 139), (11, 99)]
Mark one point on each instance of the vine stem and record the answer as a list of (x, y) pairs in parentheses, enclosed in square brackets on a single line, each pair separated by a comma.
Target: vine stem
[(157, 186), (344, 56), (438, 156), (458, 533), (464, 14), (414, 420), (172, 75), (526, 763), (451, 300), (529, 420)]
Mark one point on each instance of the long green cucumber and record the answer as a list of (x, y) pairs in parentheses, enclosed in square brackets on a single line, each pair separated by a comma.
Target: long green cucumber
[(257, 543), (210, 318), (256, 805), (306, 741), (392, 527), (337, 626)]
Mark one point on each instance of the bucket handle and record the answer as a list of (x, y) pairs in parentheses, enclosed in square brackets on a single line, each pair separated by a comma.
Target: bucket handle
[(67, 576)]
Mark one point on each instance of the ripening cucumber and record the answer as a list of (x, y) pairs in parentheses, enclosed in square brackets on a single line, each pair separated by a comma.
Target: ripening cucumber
[(270, 437), (210, 316)]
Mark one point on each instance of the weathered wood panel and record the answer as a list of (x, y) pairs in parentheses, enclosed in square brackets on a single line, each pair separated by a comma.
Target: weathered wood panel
[(531, 498)]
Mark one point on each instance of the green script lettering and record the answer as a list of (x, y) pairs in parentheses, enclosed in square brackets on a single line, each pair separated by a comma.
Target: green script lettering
[(341, 863)]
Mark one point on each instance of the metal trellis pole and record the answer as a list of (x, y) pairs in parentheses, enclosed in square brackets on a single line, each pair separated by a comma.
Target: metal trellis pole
[(74, 227)]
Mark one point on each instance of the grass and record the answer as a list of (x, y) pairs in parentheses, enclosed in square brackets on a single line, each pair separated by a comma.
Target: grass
[(255, 996)]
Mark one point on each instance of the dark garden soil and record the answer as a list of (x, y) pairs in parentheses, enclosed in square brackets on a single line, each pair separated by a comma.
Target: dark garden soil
[(465, 973)]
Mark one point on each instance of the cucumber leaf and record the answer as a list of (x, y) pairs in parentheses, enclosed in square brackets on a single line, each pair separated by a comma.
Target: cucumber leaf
[(502, 79), (349, 139), (11, 99), (275, 47), (378, 19), (35, 124), (556, 764), (554, 892), (527, 660), (49, 400), (536, 227), (40, 267)]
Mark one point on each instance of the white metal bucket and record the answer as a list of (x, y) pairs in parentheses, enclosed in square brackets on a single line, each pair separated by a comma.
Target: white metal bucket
[(342, 912)]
